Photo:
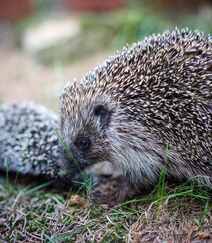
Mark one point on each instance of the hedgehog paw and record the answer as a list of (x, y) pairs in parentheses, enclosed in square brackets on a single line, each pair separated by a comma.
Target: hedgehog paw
[(112, 191)]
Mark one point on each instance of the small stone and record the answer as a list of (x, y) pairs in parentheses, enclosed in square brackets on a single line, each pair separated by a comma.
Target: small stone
[(77, 200)]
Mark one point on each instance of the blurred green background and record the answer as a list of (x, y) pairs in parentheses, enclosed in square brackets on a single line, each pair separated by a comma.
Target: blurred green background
[(129, 22), (109, 25)]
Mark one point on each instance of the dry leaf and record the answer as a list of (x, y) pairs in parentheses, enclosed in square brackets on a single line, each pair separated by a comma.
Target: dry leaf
[(203, 236), (78, 201)]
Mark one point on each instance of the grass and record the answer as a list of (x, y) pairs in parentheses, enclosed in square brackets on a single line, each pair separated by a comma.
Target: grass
[(37, 214)]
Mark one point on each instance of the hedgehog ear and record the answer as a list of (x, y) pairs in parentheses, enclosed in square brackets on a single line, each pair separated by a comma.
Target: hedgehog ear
[(209, 68), (103, 113)]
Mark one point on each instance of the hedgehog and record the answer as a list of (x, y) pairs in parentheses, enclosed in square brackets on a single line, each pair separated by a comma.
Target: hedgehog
[(147, 108), (29, 143)]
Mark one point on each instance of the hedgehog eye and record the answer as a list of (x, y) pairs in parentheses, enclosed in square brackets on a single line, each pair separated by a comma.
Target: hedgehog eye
[(100, 110), (104, 115), (83, 143)]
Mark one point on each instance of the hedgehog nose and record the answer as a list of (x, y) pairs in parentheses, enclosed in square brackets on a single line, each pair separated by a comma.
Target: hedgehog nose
[(75, 158), (83, 143)]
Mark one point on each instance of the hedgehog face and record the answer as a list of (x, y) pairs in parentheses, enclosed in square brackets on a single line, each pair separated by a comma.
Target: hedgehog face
[(96, 128), (84, 127), (90, 137)]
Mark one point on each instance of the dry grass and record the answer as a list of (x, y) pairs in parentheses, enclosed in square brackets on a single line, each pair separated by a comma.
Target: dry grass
[(37, 214)]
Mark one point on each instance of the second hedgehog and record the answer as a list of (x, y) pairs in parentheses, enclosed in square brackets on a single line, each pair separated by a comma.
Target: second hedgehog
[(149, 107), (30, 147)]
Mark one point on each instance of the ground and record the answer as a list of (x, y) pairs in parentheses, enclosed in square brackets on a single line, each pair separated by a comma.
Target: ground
[(169, 214)]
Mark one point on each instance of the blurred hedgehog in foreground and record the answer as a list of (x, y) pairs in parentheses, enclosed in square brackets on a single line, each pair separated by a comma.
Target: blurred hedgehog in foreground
[(146, 108)]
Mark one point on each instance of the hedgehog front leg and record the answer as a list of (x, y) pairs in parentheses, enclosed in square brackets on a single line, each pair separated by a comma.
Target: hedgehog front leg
[(112, 190), (110, 186)]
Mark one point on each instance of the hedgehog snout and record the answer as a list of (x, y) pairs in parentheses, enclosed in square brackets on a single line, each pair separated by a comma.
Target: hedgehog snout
[(77, 154), (87, 150), (83, 143)]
